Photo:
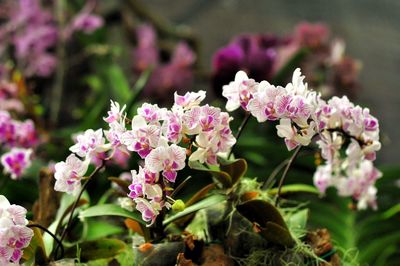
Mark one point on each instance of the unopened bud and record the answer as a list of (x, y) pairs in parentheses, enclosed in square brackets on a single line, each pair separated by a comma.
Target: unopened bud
[(178, 206)]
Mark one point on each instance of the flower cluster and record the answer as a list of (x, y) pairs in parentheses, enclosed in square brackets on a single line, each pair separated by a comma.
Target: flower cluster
[(161, 137), (158, 135), (262, 56), (14, 234), (14, 133), (20, 138), (350, 128), (33, 32), (177, 73), (303, 115)]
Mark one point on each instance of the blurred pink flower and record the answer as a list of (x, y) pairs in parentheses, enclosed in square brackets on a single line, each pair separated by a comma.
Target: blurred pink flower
[(16, 161), (166, 77)]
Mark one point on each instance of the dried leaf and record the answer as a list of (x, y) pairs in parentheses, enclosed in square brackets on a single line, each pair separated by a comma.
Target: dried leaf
[(46, 207), (134, 226)]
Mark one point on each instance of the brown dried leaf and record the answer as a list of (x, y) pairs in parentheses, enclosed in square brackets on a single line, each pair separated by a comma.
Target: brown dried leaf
[(46, 207)]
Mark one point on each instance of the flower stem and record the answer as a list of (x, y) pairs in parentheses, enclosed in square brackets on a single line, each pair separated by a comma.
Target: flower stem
[(59, 243), (285, 172), (240, 130), (64, 233), (274, 173)]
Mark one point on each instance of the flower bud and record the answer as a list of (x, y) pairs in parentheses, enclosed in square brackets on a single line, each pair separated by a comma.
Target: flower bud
[(178, 206)]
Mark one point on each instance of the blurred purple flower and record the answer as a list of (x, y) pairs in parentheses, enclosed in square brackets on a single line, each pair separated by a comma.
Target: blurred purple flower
[(87, 23), (255, 54), (166, 77), (16, 161), (33, 32), (42, 65), (35, 40), (145, 55), (261, 56), (183, 56)]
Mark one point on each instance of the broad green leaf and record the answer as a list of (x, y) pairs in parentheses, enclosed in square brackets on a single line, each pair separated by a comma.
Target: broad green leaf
[(205, 203), (202, 193), (98, 249), (379, 244), (254, 157), (99, 229), (65, 207), (297, 222), (110, 210)]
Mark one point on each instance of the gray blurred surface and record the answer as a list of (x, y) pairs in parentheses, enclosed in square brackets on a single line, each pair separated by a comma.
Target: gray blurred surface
[(371, 29)]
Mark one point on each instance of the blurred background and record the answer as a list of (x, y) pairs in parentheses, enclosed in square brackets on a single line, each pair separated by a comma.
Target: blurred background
[(369, 28)]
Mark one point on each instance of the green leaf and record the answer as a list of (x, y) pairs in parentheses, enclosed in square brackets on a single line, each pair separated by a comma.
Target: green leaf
[(391, 212), (297, 222), (295, 188), (205, 203), (118, 83), (138, 87), (95, 112), (201, 194), (378, 245), (223, 177), (99, 229), (65, 207), (98, 249), (110, 210)]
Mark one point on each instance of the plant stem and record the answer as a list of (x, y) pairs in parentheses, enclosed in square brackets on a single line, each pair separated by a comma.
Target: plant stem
[(272, 176), (59, 243), (240, 130), (71, 216), (181, 185), (285, 172)]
